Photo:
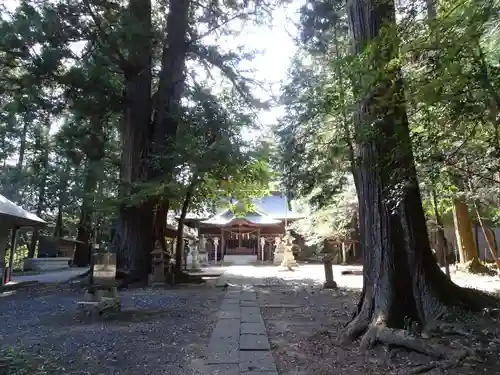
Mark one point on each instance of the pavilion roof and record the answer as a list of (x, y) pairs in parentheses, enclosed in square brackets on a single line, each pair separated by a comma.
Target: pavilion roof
[(13, 215)]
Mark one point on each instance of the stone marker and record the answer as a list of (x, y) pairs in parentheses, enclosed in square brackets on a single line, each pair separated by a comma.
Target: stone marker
[(329, 282), (157, 275), (103, 294)]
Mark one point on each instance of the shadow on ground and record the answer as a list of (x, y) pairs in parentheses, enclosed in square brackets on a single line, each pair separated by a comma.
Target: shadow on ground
[(165, 331), (305, 323), (160, 331)]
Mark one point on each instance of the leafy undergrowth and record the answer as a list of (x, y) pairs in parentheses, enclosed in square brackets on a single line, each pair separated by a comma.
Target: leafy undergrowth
[(14, 361)]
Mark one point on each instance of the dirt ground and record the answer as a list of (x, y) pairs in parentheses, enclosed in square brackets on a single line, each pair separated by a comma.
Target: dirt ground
[(305, 324)]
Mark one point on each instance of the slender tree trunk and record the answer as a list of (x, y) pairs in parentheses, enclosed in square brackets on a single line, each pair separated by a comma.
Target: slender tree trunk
[(441, 235), (40, 172), (463, 230), (133, 240), (401, 280), (180, 226), (61, 202), (490, 241)]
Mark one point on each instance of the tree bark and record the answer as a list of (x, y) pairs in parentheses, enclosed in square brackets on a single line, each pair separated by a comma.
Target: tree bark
[(490, 241), (401, 279), (62, 201), (467, 249), (160, 222), (133, 240), (40, 172), (180, 226), (95, 153), (443, 242)]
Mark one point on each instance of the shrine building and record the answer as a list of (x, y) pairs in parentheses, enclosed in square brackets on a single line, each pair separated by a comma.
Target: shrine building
[(245, 238)]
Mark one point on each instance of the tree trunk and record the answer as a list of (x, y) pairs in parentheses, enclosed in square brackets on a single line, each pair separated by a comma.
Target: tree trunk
[(401, 280), (160, 222), (94, 171), (40, 172), (168, 109), (61, 202), (463, 230), (133, 240), (443, 242), (180, 226), (490, 241)]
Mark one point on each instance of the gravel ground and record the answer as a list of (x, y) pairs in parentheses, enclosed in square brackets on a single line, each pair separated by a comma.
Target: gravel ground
[(160, 331)]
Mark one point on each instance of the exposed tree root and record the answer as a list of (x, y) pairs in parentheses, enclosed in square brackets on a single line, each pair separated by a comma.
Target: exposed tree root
[(426, 367), (380, 333)]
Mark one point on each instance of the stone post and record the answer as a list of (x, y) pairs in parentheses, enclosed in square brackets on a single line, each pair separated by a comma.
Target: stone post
[(216, 244), (195, 265), (278, 251), (262, 245), (158, 268), (329, 281), (203, 251)]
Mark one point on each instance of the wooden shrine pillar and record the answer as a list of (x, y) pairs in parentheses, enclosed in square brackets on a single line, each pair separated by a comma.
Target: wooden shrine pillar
[(259, 250), (222, 244), (239, 237)]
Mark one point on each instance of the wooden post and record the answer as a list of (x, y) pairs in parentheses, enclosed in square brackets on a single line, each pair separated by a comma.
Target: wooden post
[(13, 246), (344, 253), (239, 236), (222, 244), (258, 244)]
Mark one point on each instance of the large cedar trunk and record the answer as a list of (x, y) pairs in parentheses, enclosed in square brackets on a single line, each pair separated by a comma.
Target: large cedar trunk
[(467, 249), (133, 239), (401, 279)]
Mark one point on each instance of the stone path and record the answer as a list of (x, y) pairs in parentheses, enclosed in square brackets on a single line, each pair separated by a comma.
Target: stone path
[(239, 344)]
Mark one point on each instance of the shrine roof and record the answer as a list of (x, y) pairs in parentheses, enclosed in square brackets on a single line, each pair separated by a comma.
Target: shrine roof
[(268, 210), (275, 206), (224, 219)]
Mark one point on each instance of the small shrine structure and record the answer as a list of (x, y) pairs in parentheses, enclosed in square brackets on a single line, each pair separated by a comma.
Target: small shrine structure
[(248, 237)]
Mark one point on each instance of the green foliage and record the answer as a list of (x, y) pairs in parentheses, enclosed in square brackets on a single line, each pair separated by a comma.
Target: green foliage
[(15, 361), (451, 73), (64, 66), (330, 222), (19, 255)]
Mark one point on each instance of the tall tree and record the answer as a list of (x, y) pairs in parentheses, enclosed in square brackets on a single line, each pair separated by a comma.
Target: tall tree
[(401, 278)]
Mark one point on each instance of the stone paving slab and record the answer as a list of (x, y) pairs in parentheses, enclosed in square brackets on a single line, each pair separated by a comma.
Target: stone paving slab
[(226, 328), (257, 361), (253, 328), (236, 314), (251, 316), (239, 344), (223, 354), (225, 369), (254, 342)]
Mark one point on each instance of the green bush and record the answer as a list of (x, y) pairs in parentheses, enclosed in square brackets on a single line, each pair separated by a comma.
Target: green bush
[(19, 255)]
